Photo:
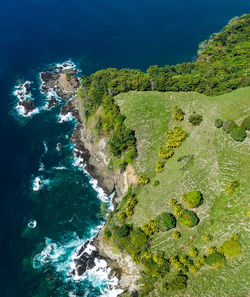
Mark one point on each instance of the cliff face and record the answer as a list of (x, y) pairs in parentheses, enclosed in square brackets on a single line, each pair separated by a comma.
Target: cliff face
[(96, 155)]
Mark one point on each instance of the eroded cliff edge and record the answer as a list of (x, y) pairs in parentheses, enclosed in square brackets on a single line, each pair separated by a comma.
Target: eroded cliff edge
[(96, 157)]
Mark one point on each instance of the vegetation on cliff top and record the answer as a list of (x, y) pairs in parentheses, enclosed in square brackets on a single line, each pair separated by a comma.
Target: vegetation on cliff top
[(178, 249)]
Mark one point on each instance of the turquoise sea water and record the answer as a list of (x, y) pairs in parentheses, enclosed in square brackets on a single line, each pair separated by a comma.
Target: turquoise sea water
[(65, 211)]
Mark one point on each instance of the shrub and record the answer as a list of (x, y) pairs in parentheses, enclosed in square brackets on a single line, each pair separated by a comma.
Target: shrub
[(193, 252), (193, 269), (156, 183), (211, 250), (216, 260), (238, 133), (230, 189), (208, 237), (165, 152), (173, 201), (178, 208), (218, 123), (159, 167), (122, 215), (175, 137), (246, 123), (178, 283), (195, 119), (130, 206), (193, 199), (176, 234), (188, 218), (178, 114), (150, 228), (142, 179), (202, 260), (166, 221), (229, 126), (231, 248)]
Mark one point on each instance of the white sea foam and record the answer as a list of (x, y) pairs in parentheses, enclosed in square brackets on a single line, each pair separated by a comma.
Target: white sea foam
[(32, 224), (36, 184), (52, 92), (21, 92), (66, 118), (39, 183), (60, 168), (22, 111), (67, 65), (79, 162)]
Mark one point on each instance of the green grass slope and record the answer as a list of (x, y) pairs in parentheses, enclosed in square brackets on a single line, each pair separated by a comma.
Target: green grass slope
[(218, 160)]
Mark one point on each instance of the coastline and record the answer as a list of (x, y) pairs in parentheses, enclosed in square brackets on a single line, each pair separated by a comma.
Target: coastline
[(92, 154), (95, 155)]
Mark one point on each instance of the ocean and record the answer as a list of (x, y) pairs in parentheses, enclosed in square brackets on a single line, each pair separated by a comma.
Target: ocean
[(49, 205)]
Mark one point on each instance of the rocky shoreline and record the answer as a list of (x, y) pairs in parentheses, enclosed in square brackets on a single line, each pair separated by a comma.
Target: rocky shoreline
[(94, 155)]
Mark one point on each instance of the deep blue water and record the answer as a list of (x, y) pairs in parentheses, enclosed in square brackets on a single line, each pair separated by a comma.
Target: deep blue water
[(94, 34)]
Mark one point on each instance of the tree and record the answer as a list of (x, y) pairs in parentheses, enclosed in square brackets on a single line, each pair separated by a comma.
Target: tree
[(231, 248), (122, 231), (218, 123), (193, 199), (188, 218), (246, 123), (216, 260), (238, 133), (195, 119), (178, 283), (166, 221), (229, 126)]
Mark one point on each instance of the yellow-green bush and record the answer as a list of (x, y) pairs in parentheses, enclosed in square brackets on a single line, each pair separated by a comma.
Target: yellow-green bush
[(159, 167), (130, 207), (150, 228), (165, 152), (178, 114), (142, 179), (175, 137)]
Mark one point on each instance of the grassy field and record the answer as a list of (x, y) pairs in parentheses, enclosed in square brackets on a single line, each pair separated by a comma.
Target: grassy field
[(218, 160)]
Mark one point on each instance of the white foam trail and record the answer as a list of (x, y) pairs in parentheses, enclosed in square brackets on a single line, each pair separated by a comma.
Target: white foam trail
[(45, 147)]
